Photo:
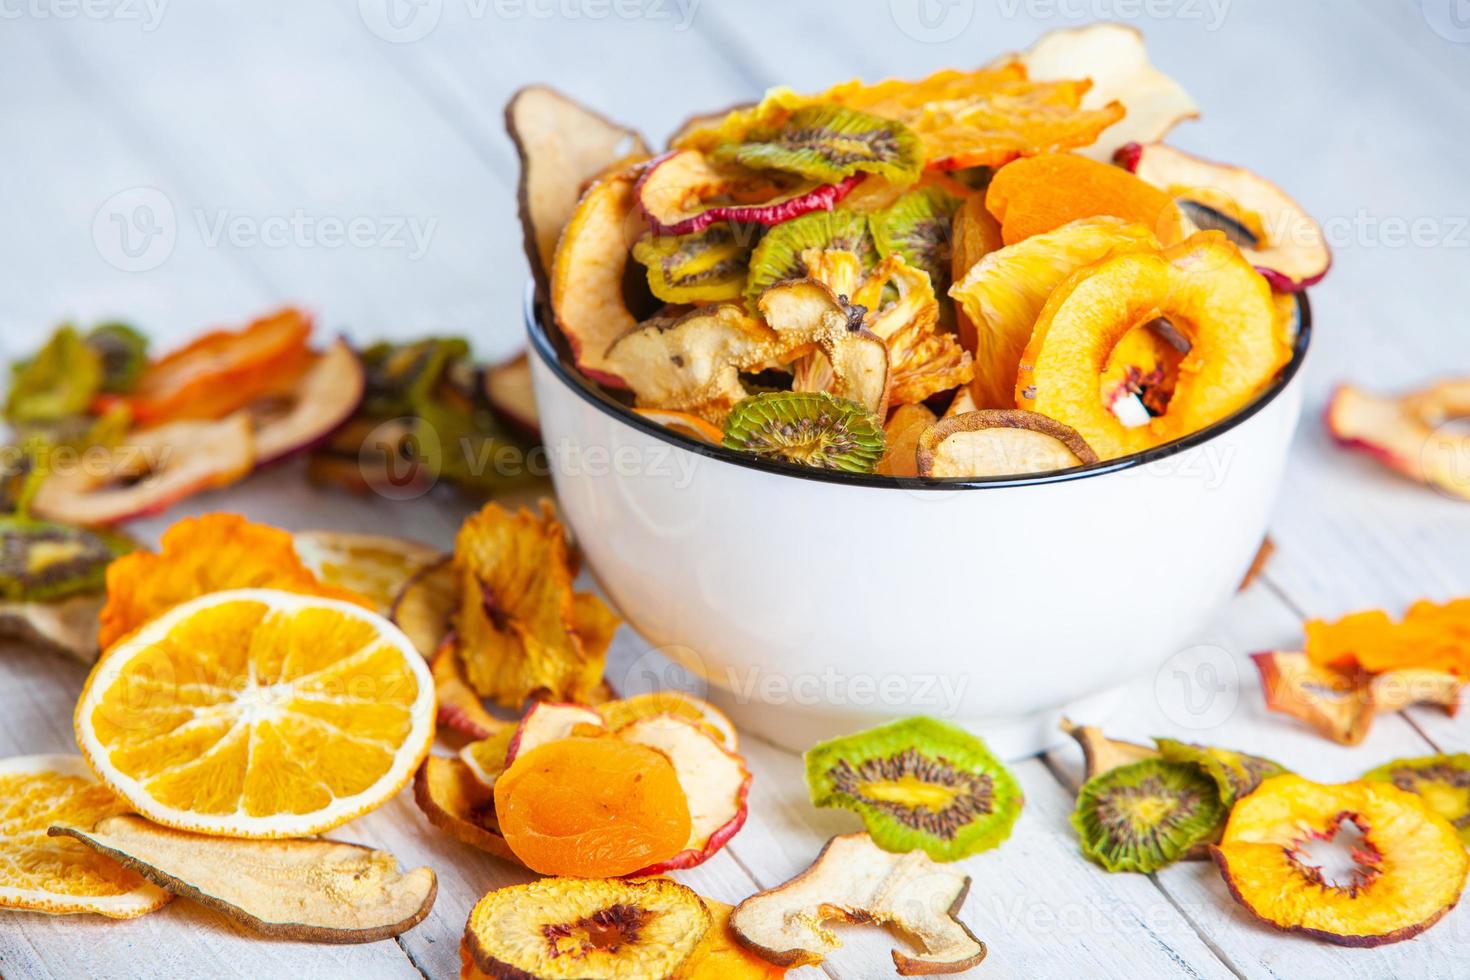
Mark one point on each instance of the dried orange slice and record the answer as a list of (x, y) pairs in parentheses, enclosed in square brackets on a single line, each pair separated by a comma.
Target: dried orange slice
[(57, 874), (258, 713), (200, 555), (223, 371)]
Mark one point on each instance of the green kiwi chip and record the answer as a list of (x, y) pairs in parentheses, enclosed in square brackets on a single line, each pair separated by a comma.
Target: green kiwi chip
[(919, 785), (59, 382), (1236, 774), (706, 266), (401, 377), (124, 354), (918, 227), (1442, 780), (829, 143), (1147, 815), (779, 255), (811, 428), (44, 562)]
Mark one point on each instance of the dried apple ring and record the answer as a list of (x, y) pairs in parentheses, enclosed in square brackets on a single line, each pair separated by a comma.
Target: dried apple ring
[(592, 807), (685, 192), (1000, 443), (1209, 297), (1398, 869)]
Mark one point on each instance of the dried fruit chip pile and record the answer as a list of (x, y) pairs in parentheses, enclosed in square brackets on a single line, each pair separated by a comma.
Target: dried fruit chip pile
[(1013, 238)]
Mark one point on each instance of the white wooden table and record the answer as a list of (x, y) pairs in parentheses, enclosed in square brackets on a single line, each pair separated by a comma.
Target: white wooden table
[(247, 130)]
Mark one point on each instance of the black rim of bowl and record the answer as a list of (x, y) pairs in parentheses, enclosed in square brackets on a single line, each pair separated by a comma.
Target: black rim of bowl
[(591, 392)]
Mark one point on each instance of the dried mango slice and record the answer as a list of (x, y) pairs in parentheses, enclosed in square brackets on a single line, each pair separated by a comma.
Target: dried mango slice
[(200, 555), (1042, 193), (1431, 636), (518, 617), (307, 890), (222, 371), (1361, 864), (1204, 290), (47, 874)]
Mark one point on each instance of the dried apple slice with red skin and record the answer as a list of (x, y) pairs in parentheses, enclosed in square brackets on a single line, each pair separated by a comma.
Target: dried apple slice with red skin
[(424, 608), (562, 145), (549, 722), (1407, 434), (1283, 242), (675, 187), (1000, 443), (854, 881), (1409, 865), (1336, 705), (155, 470), (460, 805), (715, 782), (509, 391), (592, 255), (304, 417), (459, 707)]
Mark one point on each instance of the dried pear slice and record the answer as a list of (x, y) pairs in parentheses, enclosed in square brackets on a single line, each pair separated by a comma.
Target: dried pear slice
[(1276, 234), (1237, 774), (562, 145), (1146, 815), (806, 312), (1398, 867), (68, 626), (855, 881), (1102, 754), (459, 804), (586, 929), (1442, 781), (1114, 58), (1205, 289), (685, 191), (919, 784), (308, 890), (828, 143), (1000, 443)]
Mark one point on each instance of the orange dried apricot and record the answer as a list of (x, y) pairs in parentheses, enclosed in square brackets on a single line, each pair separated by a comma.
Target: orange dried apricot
[(1431, 636), (1040, 194), (200, 555), (592, 807), (222, 371)]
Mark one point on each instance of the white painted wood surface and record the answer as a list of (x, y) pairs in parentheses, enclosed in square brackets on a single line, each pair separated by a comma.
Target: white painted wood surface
[(269, 111)]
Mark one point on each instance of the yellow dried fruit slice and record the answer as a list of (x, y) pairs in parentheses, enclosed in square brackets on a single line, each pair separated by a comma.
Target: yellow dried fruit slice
[(59, 876), (616, 714), (373, 565), (258, 713)]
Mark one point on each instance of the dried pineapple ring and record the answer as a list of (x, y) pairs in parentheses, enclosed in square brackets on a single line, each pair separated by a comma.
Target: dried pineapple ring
[(1205, 290), (1405, 871)]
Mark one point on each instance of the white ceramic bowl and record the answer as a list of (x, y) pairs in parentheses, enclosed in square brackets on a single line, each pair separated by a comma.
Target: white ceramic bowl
[(815, 604)]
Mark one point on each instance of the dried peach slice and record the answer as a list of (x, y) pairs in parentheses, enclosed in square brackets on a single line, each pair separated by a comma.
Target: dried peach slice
[(1000, 443), (901, 437), (1274, 231), (1042, 193), (592, 807), (222, 371), (1114, 58), (1361, 864), (1004, 292), (1205, 291), (1408, 434), (59, 876), (200, 555)]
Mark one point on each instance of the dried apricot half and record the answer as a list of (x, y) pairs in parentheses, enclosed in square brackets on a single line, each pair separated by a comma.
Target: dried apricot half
[(1201, 295), (1035, 195), (592, 807), (1361, 864)]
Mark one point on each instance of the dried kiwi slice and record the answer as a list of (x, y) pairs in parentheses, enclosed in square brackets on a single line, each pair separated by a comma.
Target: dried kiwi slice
[(778, 256), (400, 377), (919, 227), (57, 383), (1236, 774), (706, 266), (828, 143), (807, 427), (586, 927), (124, 353), (1442, 780), (43, 562), (1147, 815), (919, 784)]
